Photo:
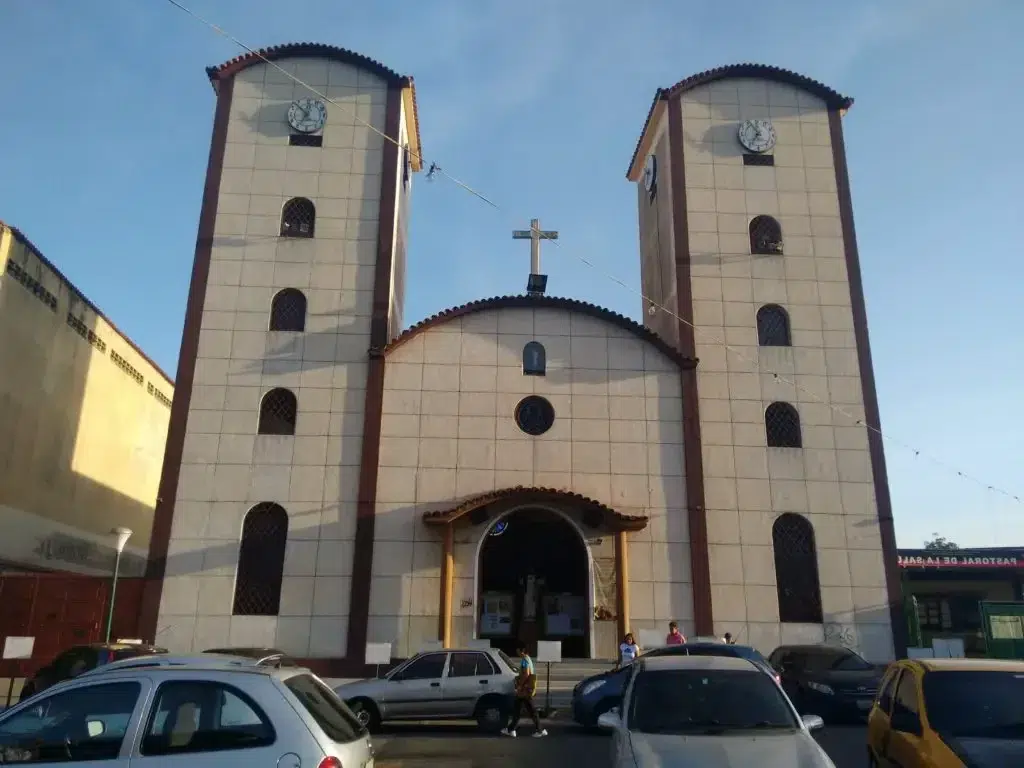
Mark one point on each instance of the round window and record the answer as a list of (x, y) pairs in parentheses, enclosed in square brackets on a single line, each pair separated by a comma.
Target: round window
[(535, 415)]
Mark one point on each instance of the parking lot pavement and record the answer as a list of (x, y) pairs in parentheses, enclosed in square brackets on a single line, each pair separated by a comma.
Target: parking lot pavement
[(418, 745)]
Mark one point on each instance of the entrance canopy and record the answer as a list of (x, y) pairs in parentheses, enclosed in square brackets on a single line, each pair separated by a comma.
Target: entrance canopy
[(478, 509)]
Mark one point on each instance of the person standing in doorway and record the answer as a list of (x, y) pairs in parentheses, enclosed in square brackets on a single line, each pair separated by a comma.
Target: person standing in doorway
[(628, 650), (674, 637), (525, 690)]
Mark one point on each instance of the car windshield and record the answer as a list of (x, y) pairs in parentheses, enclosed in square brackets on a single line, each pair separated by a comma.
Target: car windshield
[(828, 660), (706, 701), (983, 703), (512, 665)]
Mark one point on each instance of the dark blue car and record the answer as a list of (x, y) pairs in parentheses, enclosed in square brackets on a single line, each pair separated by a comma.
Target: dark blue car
[(597, 694)]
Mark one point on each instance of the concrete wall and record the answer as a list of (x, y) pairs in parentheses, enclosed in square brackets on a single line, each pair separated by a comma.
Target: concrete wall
[(83, 422)]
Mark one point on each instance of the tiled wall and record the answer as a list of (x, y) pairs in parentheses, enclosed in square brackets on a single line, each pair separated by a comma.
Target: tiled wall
[(748, 485), (227, 467), (448, 433), (657, 242)]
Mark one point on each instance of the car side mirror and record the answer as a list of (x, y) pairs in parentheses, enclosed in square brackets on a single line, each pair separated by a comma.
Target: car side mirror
[(905, 721), (812, 722), (609, 720)]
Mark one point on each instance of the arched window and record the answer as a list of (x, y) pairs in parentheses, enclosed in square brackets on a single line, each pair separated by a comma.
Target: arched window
[(278, 412), (773, 326), (261, 561), (288, 311), (298, 218), (782, 426), (534, 359), (796, 570), (765, 235)]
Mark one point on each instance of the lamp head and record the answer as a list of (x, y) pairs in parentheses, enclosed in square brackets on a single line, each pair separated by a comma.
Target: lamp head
[(122, 534)]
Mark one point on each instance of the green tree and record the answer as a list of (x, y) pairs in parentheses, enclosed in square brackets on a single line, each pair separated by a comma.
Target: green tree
[(940, 544)]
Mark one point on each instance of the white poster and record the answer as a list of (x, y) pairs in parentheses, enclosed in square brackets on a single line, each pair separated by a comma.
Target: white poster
[(19, 647)]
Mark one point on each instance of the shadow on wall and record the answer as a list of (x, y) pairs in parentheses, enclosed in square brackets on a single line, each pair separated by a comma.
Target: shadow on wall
[(407, 557), (68, 431)]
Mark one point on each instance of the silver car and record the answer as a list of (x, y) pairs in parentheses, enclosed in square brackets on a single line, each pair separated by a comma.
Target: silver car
[(172, 716), (711, 711), (438, 685)]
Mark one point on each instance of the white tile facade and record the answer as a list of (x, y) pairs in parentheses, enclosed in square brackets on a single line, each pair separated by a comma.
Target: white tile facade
[(748, 485), (449, 433), (227, 468)]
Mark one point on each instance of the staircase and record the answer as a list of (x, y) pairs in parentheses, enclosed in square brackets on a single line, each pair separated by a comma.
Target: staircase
[(564, 677)]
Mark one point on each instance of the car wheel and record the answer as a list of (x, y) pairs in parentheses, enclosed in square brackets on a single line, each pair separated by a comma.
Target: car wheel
[(491, 714), (366, 714)]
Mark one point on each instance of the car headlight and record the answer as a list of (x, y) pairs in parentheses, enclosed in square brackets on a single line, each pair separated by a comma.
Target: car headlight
[(821, 688), (589, 688)]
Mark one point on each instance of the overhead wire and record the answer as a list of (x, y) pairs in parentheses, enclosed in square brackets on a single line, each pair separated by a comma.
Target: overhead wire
[(437, 170)]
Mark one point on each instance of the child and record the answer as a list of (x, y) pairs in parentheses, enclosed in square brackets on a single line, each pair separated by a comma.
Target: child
[(628, 650)]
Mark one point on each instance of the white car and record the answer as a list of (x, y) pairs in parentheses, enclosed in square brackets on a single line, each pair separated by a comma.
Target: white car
[(178, 715), (438, 685), (712, 712)]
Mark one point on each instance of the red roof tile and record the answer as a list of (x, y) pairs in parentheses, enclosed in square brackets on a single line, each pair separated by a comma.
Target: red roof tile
[(320, 51), (546, 302), (833, 99), (612, 519)]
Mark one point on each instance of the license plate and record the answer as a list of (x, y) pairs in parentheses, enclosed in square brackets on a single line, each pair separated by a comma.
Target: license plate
[(864, 705)]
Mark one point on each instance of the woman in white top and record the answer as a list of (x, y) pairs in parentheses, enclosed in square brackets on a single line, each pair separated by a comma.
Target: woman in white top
[(628, 650)]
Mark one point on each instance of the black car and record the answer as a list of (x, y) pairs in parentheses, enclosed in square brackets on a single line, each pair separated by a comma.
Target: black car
[(82, 658), (264, 657), (597, 694), (830, 681)]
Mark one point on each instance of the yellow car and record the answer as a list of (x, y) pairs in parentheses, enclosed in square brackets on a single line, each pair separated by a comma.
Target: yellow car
[(948, 713)]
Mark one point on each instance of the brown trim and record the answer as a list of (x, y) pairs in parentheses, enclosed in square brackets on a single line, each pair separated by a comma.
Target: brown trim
[(522, 494), (832, 98), (229, 69), (21, 238), (366, 509), (622, 581), (546, 302), (693, 458), (163, 516), (867, 380)]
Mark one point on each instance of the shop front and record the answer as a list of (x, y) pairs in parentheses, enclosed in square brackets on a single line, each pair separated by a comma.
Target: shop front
[(948, 587)]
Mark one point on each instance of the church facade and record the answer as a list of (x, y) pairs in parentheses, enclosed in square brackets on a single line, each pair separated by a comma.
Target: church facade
[(521, 467)]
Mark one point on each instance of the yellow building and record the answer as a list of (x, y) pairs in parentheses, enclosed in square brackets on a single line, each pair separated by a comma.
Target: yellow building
[(83, 423)]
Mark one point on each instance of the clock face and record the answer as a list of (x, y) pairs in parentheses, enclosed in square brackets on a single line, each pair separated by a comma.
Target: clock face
[(757, 135), (307, 115), (650, 172)]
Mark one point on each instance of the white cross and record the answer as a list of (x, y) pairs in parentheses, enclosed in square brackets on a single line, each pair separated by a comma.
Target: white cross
[(534, 234)]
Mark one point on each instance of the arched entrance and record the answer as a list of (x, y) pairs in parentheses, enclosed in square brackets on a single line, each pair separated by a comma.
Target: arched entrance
[(534, 583), (555, 535)]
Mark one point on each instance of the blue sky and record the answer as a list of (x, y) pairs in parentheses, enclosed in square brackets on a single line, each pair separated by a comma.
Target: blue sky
[(538, 105)]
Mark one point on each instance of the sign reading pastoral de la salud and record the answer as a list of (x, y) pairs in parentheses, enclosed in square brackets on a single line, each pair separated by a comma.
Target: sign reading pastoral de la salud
[(959, 561)]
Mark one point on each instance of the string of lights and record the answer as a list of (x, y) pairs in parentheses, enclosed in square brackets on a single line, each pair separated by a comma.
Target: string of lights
[(435, 170)]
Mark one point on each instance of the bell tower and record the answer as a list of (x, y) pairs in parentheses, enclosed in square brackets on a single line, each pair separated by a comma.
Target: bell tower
[(747, 240), (265, 513)]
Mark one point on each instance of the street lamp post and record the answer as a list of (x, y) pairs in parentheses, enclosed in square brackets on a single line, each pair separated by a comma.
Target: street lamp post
[(122, 534)]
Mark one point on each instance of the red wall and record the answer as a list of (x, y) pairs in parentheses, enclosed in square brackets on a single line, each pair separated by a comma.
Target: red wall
[(61, 610)]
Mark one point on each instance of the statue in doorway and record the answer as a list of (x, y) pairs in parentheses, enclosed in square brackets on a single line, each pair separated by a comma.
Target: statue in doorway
[(530, 599)]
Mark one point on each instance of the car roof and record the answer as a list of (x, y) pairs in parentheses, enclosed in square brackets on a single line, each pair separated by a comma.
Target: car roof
[(122, 647), (814, 647), (971, 665), (660, 663), (167, 659), (205, 669)]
